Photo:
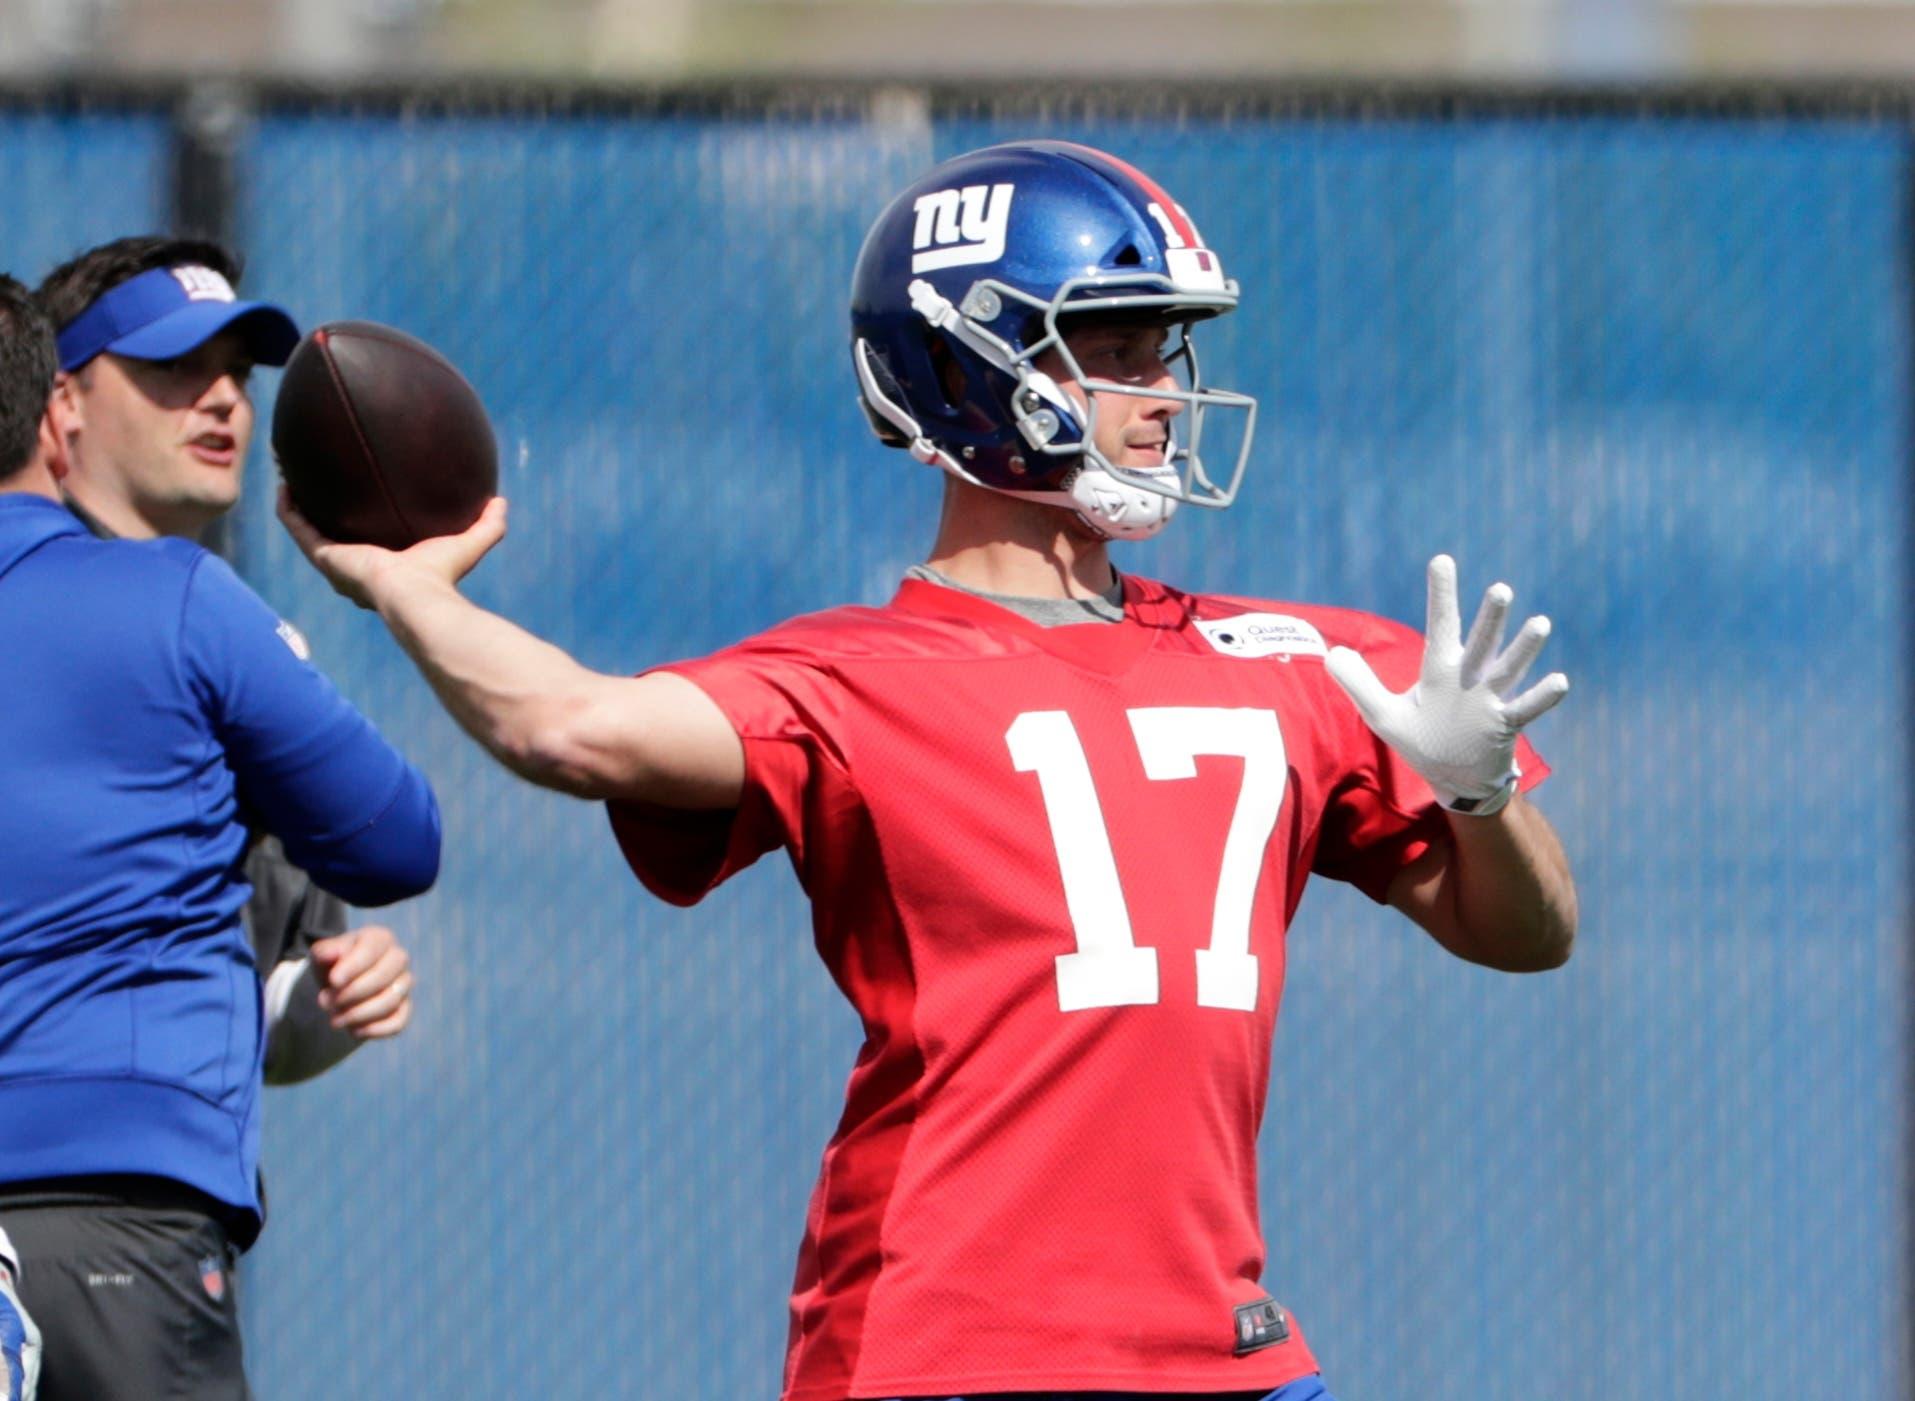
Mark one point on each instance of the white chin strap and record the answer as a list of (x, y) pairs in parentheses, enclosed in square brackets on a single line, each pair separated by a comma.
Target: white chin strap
[(1115, 509)]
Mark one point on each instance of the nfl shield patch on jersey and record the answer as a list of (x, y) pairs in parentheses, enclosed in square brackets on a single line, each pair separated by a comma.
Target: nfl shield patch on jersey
[(1261, 1324)]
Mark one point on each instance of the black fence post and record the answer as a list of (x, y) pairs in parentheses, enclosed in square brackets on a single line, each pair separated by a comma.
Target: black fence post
[(209, 124)]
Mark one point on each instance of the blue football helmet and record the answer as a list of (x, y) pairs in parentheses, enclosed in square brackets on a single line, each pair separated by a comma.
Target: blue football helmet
[(977, 269)]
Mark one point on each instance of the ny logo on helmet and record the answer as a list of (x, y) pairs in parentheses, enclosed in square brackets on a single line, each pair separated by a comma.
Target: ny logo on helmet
[(956, 227)]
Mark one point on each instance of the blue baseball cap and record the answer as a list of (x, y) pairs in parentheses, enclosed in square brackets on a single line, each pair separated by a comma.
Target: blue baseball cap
[(166, 312)]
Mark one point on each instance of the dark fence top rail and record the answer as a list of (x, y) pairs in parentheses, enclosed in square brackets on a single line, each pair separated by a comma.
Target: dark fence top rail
[(855, 97)]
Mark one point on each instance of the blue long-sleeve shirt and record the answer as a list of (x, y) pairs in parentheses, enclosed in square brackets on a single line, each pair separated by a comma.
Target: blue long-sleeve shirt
[(150, 706)]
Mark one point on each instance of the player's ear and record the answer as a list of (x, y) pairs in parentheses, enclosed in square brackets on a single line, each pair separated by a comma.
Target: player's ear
[(64, 408), (52, 446)]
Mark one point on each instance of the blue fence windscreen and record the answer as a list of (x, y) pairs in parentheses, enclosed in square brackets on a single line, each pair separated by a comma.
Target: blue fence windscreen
[(1655, 373), (74, 180)]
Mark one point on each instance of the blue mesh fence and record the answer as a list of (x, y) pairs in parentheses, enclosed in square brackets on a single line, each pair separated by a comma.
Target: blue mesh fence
[(1654, 372), (76, 179)]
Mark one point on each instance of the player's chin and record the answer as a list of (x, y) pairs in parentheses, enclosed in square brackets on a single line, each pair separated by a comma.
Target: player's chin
[(211, 487)]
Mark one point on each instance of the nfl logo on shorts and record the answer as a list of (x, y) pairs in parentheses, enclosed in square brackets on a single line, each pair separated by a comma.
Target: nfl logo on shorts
[(212, 1278)]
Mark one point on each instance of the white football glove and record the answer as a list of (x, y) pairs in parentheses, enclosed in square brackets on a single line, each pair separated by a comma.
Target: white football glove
[(1452, 726)]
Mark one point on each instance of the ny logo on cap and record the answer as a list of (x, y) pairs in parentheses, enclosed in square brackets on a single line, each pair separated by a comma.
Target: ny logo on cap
[(202, 284)]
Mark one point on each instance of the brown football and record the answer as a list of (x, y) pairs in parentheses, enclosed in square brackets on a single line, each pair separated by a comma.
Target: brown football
[(381, 441)]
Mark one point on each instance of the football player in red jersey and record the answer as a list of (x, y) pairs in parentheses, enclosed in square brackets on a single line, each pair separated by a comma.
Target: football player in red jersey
[(1053, 820)]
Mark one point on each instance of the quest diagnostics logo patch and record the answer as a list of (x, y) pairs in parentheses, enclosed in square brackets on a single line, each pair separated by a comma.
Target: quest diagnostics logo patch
[(1264, 635)]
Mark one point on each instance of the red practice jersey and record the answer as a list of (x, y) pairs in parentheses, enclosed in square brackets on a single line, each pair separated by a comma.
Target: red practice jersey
[(1052, 869)]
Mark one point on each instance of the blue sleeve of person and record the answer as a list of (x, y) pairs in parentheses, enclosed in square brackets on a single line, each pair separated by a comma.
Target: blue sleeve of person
[(313, 770), (19, 1339), (13, 1346)]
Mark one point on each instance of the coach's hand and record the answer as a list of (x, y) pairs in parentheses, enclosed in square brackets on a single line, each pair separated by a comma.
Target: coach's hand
[(365, 981), (360, 571), (1453, 726)]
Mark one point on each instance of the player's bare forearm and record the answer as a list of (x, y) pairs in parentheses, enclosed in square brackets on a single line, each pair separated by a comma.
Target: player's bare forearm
[(552, 720), (1500, 894), (505, 687), (561, 725)]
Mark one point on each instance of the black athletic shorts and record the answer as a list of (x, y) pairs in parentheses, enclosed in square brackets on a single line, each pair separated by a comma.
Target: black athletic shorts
[(131, 1284)]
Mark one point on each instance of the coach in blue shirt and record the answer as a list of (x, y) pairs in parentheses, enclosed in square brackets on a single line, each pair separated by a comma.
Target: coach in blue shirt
[(154, 707)]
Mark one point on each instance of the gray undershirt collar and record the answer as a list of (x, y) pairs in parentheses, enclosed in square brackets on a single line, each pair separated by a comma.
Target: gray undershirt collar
[(1107, 607), (87, 518)]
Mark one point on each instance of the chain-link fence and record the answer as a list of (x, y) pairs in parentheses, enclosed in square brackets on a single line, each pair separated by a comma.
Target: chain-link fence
[(1649, 360)]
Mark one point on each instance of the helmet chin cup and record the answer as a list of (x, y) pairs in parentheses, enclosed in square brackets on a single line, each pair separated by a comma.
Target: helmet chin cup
[(1115, 509)]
